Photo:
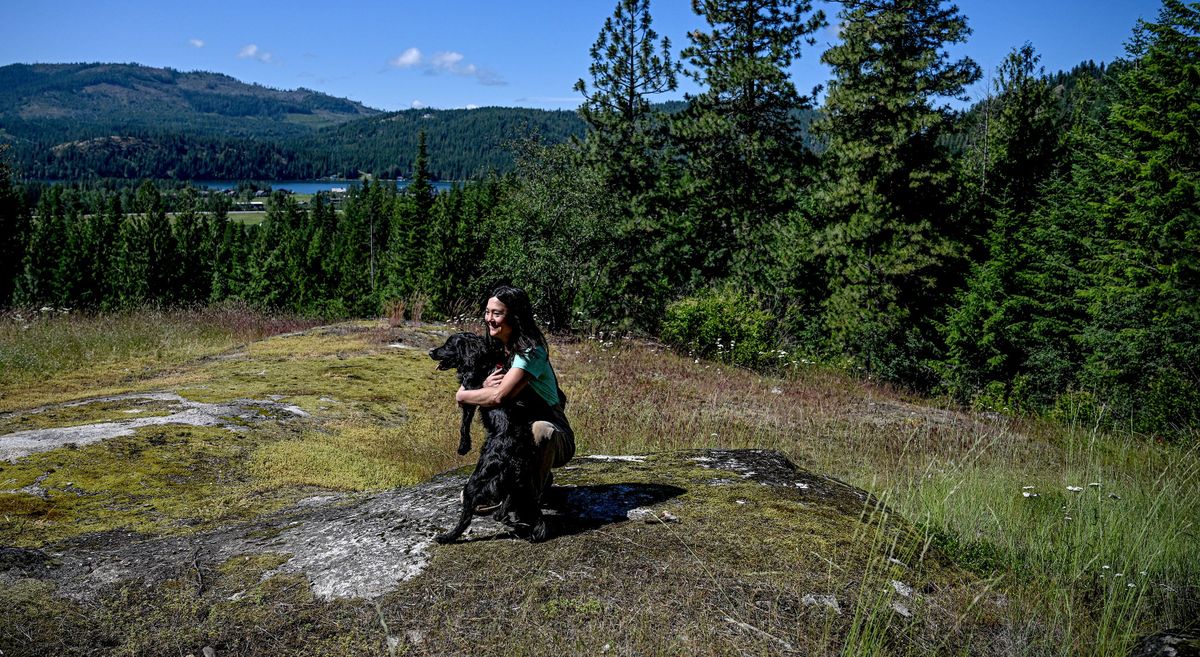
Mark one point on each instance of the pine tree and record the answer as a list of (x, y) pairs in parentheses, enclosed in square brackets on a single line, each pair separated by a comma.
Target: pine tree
[(39, 283), (746, 160), (352, 253), (161, 259), (14, 231), (626, 144), (888, 226), (317, 281), (279, 254), (193, 275), (106, 230)]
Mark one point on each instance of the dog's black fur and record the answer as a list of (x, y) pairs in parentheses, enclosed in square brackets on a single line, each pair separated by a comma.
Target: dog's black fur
[(469, 355), (504, 473)]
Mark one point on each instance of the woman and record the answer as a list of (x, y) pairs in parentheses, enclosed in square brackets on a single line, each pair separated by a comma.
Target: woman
[(509, 321)]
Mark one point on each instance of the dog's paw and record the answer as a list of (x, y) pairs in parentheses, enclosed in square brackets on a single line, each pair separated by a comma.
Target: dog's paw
[(445, 539), (539, 533), (463, 448)]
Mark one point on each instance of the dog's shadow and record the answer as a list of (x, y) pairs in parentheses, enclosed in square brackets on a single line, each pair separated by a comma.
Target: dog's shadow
[(574, 509)]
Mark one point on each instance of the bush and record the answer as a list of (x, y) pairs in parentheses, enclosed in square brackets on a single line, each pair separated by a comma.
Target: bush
[(722, 323)]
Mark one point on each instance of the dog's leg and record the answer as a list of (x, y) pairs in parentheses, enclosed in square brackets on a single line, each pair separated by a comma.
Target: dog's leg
[(463, 522), (464, 431)]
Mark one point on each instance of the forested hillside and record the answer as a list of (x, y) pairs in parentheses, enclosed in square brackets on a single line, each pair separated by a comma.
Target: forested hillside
[(1036, 254), (71, 121)]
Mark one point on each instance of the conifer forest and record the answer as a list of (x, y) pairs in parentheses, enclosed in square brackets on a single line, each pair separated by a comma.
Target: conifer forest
[(1037, 251)]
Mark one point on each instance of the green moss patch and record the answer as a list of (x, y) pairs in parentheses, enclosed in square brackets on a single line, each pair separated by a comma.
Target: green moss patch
[(161, 479)]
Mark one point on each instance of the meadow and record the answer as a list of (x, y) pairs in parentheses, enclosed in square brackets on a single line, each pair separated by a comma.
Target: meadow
[(1088, 535)]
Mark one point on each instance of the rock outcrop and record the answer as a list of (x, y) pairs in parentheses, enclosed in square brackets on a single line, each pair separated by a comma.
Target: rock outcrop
[(708, 551)]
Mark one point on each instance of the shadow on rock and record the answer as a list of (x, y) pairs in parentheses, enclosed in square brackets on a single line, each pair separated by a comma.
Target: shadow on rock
[(574, 509)]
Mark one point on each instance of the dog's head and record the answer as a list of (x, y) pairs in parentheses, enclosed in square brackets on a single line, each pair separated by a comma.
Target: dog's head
[(464, 352)]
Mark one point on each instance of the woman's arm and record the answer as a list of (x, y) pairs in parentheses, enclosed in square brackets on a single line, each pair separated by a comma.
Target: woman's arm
[(510, 386)]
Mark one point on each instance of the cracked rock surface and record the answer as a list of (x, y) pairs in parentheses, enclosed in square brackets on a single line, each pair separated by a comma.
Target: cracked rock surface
[(232, 415)]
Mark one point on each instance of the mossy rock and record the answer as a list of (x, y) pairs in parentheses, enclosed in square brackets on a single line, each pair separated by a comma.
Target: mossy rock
[(688, 553)]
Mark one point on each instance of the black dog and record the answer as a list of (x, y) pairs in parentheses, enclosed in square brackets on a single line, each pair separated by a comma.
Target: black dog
[(503, 477), (469, 355)]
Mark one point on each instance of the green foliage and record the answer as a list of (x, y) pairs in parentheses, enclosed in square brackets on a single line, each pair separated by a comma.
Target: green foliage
[(626, 145), (745, 160), (888, 226), (1143, 293), (549, 235), (722, 323), (1009, 334), (14, 227)]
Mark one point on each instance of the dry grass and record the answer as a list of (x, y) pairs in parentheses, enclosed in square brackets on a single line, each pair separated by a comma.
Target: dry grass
[(960, 475), (382, 417)]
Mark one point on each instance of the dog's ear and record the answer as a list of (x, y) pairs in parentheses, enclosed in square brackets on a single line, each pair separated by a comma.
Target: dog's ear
[(471, 349)]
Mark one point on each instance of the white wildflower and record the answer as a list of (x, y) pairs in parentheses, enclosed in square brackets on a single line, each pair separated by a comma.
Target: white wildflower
[(1026, 487), (1029, 494), (1094, 484), (1075, 489)]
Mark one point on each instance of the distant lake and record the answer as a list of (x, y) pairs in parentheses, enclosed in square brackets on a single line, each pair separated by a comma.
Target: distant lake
[(306, 186)]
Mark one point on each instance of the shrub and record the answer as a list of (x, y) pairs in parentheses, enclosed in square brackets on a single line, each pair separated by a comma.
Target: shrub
[(722, 323)]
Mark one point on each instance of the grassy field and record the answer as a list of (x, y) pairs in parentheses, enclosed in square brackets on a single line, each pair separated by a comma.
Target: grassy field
[(1090, 537)]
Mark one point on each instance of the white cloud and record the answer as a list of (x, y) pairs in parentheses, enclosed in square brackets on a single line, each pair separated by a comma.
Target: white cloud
[(196, 43), (448, 61), (407, 59), (416, 104), (548, 99), (251, 51), (472, 106)]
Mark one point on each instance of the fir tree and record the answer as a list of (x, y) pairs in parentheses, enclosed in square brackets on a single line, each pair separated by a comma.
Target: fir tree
[(39, 283), (888, 226), (14, 231), (1144, 294), (993, 334)]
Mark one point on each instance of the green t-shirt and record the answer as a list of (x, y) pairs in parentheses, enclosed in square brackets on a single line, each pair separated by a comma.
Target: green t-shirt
[(536, 364)]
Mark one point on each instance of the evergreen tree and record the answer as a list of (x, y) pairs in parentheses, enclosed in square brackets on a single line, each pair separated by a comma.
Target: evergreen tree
[(352, 253), (746, 162), (161, 259), (106, 231), (132, 264), (408, 241), (73, 270), (626, 144), (39, 283), (317, 280), (544, 237), (888, 226), (229, 277), (1144, 294), (14, 231), (193, 267), (993, 335), (280, 251)]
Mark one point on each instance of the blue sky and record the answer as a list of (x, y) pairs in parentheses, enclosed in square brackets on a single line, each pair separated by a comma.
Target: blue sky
[(464, 53)]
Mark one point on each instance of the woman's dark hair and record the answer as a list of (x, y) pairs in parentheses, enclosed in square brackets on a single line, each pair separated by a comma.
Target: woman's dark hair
[(525, 333)]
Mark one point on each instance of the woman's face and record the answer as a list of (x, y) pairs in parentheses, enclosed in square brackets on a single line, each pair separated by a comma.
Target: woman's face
[(496, 318)]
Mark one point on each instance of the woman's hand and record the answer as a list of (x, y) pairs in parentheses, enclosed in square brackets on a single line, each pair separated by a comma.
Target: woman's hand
[(494, 379)]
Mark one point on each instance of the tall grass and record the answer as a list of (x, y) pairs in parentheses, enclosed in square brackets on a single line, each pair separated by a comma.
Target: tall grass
[(49, 347), (1086, 571)]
